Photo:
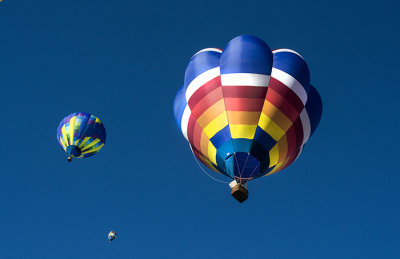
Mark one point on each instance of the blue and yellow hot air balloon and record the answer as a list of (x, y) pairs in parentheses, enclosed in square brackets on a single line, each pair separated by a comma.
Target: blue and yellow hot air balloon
[(247, 111), (81, 135)]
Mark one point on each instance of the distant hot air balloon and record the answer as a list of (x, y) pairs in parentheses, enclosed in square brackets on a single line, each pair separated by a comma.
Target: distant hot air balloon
[(81, 135), (247, 111), (112, 235)]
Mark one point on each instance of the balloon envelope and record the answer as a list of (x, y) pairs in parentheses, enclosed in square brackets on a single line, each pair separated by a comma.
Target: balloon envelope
[(81, 134), (247, 111), (112, 235)]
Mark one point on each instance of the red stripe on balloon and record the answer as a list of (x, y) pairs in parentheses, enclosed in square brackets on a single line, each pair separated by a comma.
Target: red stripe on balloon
[(282, 104), (287, 93), (197, 136), (190, 128), (203, 91), (298, 129), (291, 141), (244, 91), (206, 102), (244, 104)]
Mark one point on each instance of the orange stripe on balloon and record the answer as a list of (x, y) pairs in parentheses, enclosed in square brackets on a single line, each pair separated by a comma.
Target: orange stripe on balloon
[(283, 148), (211, 113), (197, 136), (206, 102), (276, 116), (243, 117), (204, 144)]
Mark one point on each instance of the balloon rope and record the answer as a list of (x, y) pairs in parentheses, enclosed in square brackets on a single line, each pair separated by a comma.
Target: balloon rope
[(244, 167), (237, 164), (253, 171), (195, 158)]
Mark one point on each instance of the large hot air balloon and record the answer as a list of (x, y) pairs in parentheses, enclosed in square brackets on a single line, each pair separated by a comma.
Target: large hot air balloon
[(247, 111), (81, 135)]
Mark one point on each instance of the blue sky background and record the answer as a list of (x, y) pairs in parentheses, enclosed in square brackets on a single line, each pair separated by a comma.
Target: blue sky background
[(123, 61)]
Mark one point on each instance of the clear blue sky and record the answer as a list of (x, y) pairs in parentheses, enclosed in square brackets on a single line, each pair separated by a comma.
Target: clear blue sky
[(123, 61)]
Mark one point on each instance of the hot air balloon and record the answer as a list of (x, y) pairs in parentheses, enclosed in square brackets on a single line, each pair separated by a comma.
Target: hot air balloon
[(247, 111), (112, 235), (81, 135)]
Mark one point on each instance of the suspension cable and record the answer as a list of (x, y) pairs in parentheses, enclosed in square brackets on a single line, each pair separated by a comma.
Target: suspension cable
[(197, 161)]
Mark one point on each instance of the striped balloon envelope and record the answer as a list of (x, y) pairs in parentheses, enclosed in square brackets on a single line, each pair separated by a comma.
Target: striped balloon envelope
[(247, 111), (81, 135)]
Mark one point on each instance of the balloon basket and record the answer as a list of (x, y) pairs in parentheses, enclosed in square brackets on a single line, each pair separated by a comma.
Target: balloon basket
[(239, 192)]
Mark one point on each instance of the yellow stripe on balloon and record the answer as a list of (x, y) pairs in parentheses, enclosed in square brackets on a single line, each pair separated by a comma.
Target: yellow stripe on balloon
[(204, 144), (212, 153), (64, 133), (216, 125), (98, 120), (208, 163), (62, 143), (270, 127), (243, 117), (210, 114), (242, 131), (283, 148), (78, 123), (204, 141), (212, 167), (93, 149), (277, 116), (274, 155), (71, 130), (84, 141), (91, 144), (279, 166)]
